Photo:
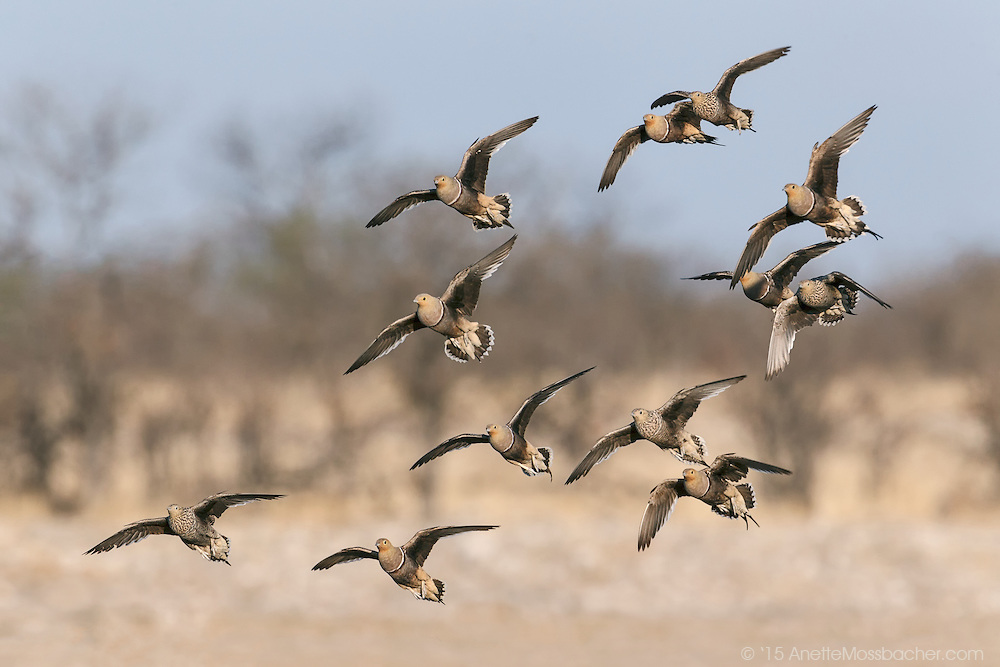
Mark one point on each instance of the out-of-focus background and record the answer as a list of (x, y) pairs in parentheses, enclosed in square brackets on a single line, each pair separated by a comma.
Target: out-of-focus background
[(185, 275)]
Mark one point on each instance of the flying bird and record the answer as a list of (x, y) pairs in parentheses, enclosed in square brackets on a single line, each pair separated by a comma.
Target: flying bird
[(715, 106), (715, 486), (772, 287), (826, 299), (681, 125), (509, 439), (195, 525), (448, 315), (404, 564), (466, 191), (815, 200), (665, 427)]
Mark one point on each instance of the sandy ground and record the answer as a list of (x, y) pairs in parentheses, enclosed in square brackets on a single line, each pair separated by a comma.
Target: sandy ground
[(567, 587)]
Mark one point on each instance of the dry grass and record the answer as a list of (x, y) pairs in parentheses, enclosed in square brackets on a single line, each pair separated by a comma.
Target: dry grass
[(556, 586)]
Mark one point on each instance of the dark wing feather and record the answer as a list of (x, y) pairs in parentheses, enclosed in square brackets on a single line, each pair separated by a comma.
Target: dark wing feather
[(825, 159), (387, 340), (215, 505), (463, 290), (345, 556), (450, 445), (476, 161), (681, 406), (683, 112), (133, 532), (670, 98), (400, 204), (785, 271), (420, 545), (519, 421), (714, 275), (724, 88), (839, 279), (604, 448), (662, 500), (624, 147), (734, 468), (760, 237)]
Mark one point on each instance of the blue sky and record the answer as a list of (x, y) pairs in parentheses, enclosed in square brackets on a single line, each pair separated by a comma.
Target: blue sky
[(430, 78)]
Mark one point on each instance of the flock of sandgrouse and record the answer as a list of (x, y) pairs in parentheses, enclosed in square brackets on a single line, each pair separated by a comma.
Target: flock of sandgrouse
[(825, 299)]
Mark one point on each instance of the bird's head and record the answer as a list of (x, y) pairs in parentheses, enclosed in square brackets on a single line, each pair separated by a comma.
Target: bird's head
[(657, 127), (382, 544)]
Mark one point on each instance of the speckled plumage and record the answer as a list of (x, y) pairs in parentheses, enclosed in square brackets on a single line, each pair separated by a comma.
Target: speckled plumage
[(681, 125), (715, 105), (714, 485), (665, 427), (405, 564), (508, 439), (195, 526), (826, 299), (448, 315), (815, 200), (466, 191)]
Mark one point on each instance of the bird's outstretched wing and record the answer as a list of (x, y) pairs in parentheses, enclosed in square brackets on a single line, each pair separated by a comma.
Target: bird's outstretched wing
[(133, 532), (714, 275), (400, 204), (825, 158), (346, 556), (669, 98), (786, 270), (760, 237), (387, 340), (604, 448), (734, 468), (519, 422), (463, 290), (423, 541), (215, 505), (682, 405), (789, 319), (476, 161), (841, 280), (724, 88), (624, 147), (450, 445), (662, 500)]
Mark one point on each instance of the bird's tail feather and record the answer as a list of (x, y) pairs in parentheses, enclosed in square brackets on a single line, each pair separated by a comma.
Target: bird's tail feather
[(855, 204), (470, 345), (498, 213)]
